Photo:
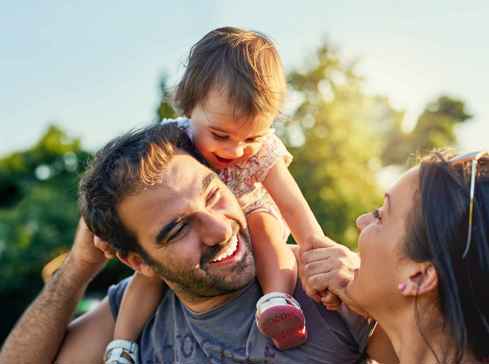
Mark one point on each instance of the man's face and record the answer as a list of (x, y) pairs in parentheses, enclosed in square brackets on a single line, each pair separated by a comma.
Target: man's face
[(193, 230)]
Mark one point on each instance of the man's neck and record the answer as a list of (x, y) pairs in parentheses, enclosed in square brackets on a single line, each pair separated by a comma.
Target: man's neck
[(199, 304)]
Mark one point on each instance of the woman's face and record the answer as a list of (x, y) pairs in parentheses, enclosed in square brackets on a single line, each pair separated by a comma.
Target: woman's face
[(382, 234)]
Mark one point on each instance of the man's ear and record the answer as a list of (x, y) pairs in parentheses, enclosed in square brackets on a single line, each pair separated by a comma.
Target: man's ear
[(136, 263), (420, 278)]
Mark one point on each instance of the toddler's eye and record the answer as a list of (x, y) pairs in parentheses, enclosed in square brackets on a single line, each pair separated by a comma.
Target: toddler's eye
[(219, 136), (254, 140)]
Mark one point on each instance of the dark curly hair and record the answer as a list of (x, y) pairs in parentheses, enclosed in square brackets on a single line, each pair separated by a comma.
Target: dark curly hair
[(125, 165)]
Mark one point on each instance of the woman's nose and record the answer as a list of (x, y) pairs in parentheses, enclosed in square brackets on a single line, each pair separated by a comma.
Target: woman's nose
[(363, 220)]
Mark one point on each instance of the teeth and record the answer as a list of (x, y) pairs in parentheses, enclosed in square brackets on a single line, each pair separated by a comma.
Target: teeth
[(229, 250)]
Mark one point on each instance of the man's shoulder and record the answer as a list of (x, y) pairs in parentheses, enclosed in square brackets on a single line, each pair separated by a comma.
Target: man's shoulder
[(346, 326)]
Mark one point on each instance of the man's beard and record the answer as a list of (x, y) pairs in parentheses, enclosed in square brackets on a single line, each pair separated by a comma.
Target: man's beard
[(204, 284)]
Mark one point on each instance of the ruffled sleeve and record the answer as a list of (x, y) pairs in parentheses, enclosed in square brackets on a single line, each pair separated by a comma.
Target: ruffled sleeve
[(271, 151)]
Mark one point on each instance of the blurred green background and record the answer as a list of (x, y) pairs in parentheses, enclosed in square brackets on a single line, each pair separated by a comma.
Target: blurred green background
[(395, 80), (341, 139)]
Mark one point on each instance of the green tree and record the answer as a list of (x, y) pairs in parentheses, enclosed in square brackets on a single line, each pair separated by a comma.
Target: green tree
[(165, 108), (38, 217), (333, 135), (435, 128)]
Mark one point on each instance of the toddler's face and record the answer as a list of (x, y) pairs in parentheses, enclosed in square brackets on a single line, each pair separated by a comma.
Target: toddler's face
[(222, 139)]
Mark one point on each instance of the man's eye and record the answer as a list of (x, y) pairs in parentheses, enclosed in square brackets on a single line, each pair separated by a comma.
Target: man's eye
[(213, 196), (219, 136), (176, 231)]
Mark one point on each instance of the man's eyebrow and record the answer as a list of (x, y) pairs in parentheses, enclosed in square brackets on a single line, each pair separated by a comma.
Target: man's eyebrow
[(207, 180)]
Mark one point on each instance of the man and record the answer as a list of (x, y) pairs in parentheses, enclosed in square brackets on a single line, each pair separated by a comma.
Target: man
[(168, 215)]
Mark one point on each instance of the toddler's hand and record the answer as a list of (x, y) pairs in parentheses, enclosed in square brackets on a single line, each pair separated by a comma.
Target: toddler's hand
[(105, 247)]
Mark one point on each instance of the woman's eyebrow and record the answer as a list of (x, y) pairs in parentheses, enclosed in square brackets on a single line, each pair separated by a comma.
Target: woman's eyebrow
[(387, 198)]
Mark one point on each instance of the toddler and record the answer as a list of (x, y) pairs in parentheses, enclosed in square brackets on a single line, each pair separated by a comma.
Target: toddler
[(230, 93)]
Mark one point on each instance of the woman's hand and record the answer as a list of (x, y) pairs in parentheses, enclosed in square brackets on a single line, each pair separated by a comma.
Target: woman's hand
[(326, 272)]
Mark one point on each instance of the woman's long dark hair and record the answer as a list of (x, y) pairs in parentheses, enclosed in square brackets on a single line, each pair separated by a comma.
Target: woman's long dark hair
[(438, 233)]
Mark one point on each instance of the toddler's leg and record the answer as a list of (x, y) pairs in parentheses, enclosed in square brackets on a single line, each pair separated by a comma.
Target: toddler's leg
[(279, 315), (276, 266), (140, 300)]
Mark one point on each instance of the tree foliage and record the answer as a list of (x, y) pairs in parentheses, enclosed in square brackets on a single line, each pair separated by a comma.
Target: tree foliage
[(333, 135), (165, 108), (38, 217), (435, 128)]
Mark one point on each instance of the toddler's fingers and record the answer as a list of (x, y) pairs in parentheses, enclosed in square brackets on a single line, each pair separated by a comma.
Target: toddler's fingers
[(104, 247)]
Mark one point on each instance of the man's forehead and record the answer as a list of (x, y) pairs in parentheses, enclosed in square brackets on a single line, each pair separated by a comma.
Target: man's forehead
[(184, 172)]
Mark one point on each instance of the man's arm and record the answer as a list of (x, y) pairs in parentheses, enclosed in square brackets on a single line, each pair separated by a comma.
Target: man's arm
[(38, 335)]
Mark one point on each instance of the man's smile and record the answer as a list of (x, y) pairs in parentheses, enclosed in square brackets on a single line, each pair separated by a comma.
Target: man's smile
[(229, 250)]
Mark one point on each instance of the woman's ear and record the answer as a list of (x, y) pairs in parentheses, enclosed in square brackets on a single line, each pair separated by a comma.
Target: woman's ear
[(421, 278), (136, 263)]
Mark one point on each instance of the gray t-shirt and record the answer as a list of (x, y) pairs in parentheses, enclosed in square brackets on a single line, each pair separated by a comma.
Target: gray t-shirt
[(228, 334)]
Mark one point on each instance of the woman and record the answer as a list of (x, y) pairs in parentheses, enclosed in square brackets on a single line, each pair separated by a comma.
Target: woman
[(424, 273)]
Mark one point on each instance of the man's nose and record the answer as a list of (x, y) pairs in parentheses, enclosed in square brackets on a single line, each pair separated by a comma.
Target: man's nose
[(363, 220), (213, 228)]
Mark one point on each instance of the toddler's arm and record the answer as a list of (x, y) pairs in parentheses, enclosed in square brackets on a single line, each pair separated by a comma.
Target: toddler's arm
[(294, 208), (142, 296), (305, 229)]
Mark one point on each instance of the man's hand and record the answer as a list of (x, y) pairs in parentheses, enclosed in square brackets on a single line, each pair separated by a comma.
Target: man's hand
[(326, 270)]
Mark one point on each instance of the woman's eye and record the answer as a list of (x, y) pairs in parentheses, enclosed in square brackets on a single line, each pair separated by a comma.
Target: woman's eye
[(219, 136), (376, 214)]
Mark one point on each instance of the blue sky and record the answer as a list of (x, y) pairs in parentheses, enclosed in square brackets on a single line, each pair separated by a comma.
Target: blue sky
[(93, 67)]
